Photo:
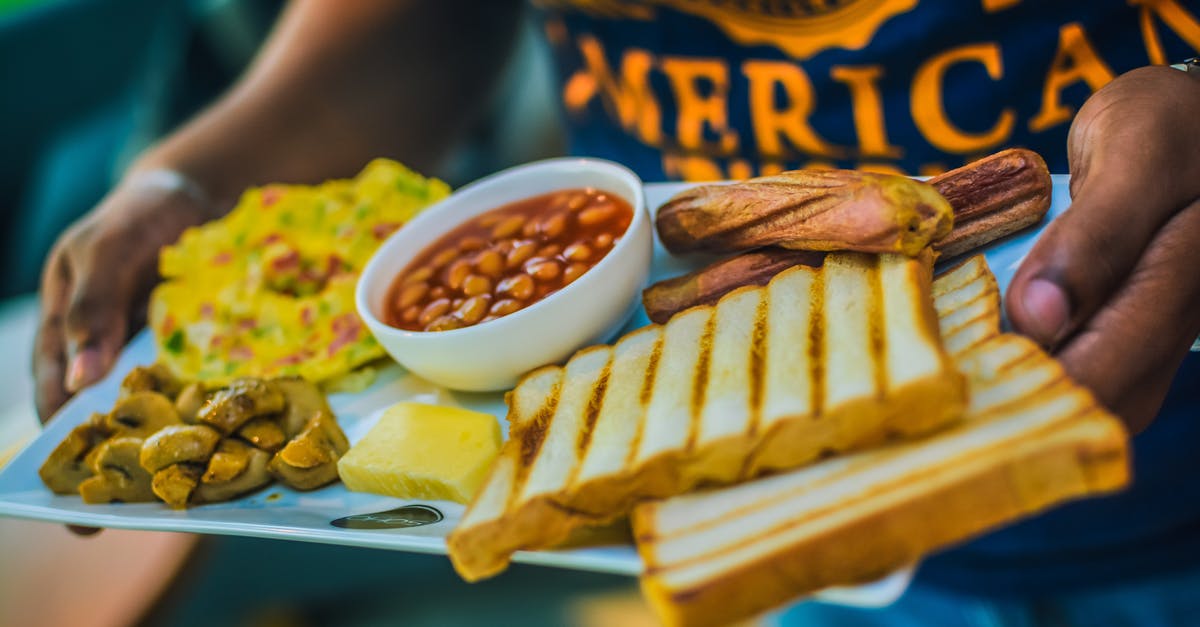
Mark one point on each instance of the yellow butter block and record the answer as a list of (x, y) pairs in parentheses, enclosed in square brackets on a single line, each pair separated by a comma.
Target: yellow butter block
[(427, 452)]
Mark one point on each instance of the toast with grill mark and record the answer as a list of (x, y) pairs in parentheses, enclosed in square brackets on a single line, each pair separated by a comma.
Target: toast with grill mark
[(1030, 438), (768, 378)]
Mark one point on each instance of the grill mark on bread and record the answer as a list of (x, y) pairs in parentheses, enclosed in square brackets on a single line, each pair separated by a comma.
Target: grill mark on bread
[(952, 338), (985, 295), (1024, 358), (644, 398), (758, 357), (877, 317), (700, 385), (816, 348), (591, 413), (531, 436)]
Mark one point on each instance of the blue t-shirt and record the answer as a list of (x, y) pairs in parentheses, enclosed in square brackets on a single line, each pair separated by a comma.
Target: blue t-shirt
[(715, 89)]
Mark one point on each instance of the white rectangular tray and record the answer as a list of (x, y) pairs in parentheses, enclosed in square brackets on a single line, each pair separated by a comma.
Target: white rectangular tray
[(280, 513)]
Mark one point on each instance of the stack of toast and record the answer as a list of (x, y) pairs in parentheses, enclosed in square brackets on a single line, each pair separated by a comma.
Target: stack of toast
[(819, 360), (1030, 438), (822, 427)]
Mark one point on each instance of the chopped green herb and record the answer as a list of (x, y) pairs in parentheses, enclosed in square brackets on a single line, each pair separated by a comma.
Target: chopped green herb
[(174, 342)]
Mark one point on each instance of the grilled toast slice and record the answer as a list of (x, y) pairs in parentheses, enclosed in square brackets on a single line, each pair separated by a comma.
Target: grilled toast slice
[(1031, 438), (819, 360)]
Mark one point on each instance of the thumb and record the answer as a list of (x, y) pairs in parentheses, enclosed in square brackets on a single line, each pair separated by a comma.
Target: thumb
[(1121, 145), (95, 324), (1081, 259)]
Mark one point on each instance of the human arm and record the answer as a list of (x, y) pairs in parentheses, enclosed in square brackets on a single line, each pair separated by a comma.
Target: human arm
[(335, 85)]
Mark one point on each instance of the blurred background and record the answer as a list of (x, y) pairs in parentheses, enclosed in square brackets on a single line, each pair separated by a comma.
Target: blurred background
[(86, 85)]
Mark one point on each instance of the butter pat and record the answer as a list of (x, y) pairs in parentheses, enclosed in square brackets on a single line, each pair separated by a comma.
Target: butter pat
[(426, 452)]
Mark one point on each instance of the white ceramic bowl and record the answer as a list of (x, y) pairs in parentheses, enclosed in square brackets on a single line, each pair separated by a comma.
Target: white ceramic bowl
[(493, 355)]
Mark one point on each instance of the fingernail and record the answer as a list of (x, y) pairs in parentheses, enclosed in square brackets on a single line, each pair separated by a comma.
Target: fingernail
[(83, 370), (1047, 311)]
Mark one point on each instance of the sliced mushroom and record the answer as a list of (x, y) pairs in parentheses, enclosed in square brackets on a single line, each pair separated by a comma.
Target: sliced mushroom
[(304, 399), (176, 483), (118, 477), (175, 444), (264, 433), (310, 460), (67, 466), (230, 408), (235, 469), (191, 398), (153, 378), (141, 414)]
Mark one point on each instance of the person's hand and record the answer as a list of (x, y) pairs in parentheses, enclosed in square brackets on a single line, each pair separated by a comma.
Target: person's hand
[(1113, 285), (98, 276)]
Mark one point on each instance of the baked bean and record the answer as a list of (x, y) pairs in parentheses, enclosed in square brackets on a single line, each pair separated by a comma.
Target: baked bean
[(489, 219), (433, 310), (443, 258), (421, 275), (411, 294), (574, 271), (473, 309), (490, 263), (444, 323), (471, 244), (577, 252), (476, 284), (596, 214), (504, 260), (519, 286), (543, 269), (457, 273), (504, 307), (520, 253), (577, 202), (553, 226), (508, 227)]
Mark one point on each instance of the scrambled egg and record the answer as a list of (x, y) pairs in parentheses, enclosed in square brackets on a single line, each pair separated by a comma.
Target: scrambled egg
[(268, 290)]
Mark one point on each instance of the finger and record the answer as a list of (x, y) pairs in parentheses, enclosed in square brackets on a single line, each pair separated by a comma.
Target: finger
[(96, 320), (1129, 350), (48, 353), (1122, 197)]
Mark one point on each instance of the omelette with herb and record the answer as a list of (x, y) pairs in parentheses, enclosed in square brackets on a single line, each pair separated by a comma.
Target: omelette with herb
[(268, 290)]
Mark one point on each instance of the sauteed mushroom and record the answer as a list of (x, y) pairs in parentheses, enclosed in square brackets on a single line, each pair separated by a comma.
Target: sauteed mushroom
[(141, 414), (175, 444), (304, 400), (153, 378), (117, 474), (176, 483), (235, 469), (191, 398), (264, 433), (182, 444), (310, 460), (230, 408), (67, 466)]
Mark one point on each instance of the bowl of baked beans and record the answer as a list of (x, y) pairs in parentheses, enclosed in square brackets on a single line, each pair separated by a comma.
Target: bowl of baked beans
[(512, 272)]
